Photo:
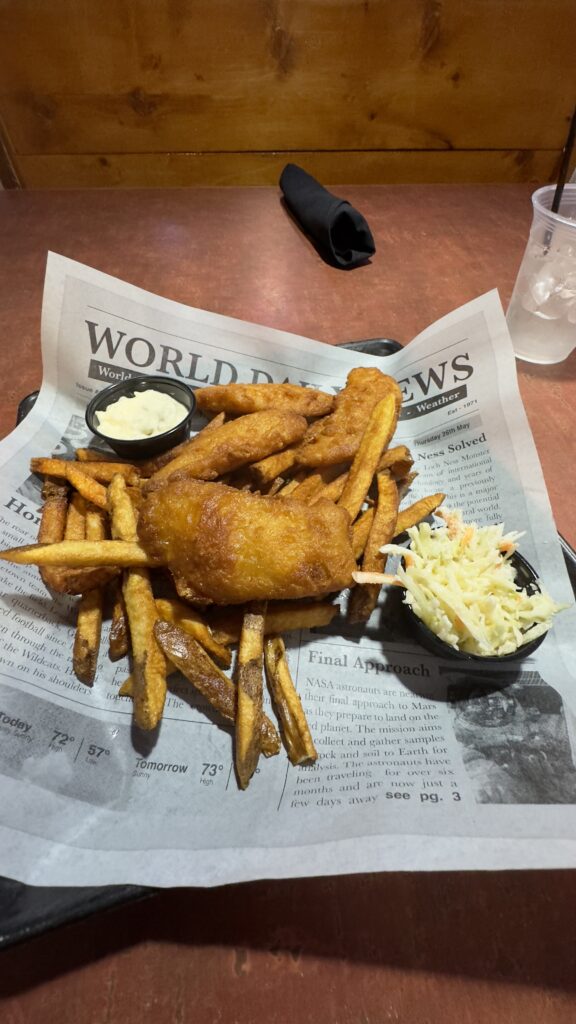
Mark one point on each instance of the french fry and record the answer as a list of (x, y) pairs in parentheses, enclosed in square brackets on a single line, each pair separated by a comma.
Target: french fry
[(119, 639), (53, 523), (150, 466), (127, 687), (54, 511), (101, 471), (122, 518), (281, 617), (315, 484), (361, 532), (379, 431), (89, 621), (191, 622), (94, 455), (184, 590), (404, 484), (308, 487), (86, 485), (332, 491), (294, 726), (275, 486), (288, 489), (198, 668), (363, 599), (266, 470), (397, 460), (80, 554), (249, 709), (60, 519), (414, 514), (76, 519), (149, 663)]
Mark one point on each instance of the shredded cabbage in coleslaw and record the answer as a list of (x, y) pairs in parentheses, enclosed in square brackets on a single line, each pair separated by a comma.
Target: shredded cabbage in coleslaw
[(460, 583)]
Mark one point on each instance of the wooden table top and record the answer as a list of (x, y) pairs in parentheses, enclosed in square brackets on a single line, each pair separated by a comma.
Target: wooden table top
[(423, 949)]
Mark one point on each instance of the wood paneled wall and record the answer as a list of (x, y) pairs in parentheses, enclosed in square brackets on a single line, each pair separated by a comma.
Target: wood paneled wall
[(179, 92)]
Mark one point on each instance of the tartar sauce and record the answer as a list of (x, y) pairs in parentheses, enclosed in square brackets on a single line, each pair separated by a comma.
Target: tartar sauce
[(147, 414)]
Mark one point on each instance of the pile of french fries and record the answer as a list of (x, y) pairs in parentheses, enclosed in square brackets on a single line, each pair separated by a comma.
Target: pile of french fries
[(89, 546)]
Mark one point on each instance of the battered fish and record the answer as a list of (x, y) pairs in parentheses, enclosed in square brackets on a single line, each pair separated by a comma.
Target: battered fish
[(336, 438), (233, 445), (232, 546), (238, 399)]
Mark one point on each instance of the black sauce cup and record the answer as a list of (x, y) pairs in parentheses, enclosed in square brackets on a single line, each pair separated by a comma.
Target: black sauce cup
[(145, 447), (526, 579)]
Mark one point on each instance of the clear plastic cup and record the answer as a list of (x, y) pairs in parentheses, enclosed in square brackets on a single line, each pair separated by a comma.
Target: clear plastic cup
[(541, 316)]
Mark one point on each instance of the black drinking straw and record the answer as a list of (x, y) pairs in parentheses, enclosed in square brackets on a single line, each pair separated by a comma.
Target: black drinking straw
[(564, 165)]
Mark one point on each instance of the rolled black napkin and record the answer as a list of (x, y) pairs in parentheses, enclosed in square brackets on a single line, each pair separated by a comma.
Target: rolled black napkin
[(341, 233)]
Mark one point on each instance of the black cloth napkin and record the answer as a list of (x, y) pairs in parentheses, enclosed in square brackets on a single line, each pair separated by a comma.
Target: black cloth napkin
[(342, 235)]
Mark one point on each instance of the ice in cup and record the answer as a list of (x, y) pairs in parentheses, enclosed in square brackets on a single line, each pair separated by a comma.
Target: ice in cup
[(541, 316)]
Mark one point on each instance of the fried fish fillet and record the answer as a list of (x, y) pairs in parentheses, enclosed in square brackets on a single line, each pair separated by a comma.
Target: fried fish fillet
[(336, 438), (239, 399), (232, 546), (234, 444)]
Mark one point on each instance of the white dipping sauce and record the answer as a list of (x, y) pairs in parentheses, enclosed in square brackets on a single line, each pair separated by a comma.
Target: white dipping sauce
[(147, 414)]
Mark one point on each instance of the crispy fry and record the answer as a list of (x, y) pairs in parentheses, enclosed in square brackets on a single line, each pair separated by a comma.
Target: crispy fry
[(314, 485), (404, 484), (150, 466), (185, 590), (53, 524), (397, 460), (308, 487), (76, 519), (191, 622), (281, 617), (119, 640), (199, 669), (265, 471), (85, 485), (89, 621), (380, 428), (249, 709), (275, 486), (288, 489), (80, 581), (239, 399), (127, 687), (94, 455), (80, 554), (149, 662), (414, 514), (361, 532), (363, 599), (295, 730), (123, 520), (234, 444), (136, 497), (332, 491), (54, 511), (101, 471)]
